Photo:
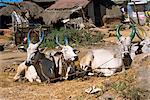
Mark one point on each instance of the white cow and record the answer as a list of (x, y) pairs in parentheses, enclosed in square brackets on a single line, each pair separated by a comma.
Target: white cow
[(64, 59), (107, 62), (101, 61)]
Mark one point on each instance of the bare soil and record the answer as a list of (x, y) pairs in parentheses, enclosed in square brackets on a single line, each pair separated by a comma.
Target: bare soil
[(67, 90)]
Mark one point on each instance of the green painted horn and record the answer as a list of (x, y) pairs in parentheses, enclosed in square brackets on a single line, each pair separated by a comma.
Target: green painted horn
[(132, 34), (118, 31)]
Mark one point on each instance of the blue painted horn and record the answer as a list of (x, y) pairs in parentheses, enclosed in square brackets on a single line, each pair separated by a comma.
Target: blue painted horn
[(29, 40), (57, 42), (41, 37), (66, 40)]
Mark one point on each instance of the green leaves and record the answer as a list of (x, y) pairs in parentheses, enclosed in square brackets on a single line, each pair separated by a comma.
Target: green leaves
[(76, 37)]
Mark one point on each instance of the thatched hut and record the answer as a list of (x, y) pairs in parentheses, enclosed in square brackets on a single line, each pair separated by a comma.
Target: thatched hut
[(62, 9), (33, 8), (5, 12), (44, 3)]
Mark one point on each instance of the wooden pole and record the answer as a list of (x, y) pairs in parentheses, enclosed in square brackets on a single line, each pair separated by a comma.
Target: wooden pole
[(136, 13)]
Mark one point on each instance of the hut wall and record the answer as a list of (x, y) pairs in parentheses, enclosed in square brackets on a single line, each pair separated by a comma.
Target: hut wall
[(114, 12), (103, 12), (1, 22), (96, 12), (91, 11)]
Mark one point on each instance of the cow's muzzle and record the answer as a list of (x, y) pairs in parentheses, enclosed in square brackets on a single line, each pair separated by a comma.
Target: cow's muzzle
[(127, 59), (28, 63), (76, 58)]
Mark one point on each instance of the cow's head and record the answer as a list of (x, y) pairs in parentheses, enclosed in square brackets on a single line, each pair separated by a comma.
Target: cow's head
[(145, 45), (126, 44), (63, 58), (32, 49), (69, 53)]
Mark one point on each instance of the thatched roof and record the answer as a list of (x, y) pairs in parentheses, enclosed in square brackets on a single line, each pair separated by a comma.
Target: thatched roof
[(33, 8), (62, 9), (66, 4)]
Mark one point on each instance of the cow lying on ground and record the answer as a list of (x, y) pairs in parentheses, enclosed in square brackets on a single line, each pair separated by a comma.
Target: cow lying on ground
[(107, 62), (36, 64), (46, 68), (64, 59)]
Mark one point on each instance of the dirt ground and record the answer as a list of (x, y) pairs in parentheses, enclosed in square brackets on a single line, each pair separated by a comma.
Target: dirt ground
[(117, 87)]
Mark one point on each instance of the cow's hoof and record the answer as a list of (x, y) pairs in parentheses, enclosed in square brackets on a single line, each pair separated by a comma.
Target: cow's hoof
[(1, 47), (65, 78), (91, 74), (15, 80), (48, 81)]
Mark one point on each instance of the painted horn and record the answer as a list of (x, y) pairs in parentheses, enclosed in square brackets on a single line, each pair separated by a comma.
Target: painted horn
[(66, 40), (118, 31), (41, 38), (57, 41), (29, 40), (141, 32), (132, 34)]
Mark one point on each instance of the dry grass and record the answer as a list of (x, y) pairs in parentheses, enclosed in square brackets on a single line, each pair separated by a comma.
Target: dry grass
[(119, 87), (122, 86)]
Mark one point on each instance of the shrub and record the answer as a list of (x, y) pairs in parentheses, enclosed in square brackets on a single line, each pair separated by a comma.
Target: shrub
[(77, 37)]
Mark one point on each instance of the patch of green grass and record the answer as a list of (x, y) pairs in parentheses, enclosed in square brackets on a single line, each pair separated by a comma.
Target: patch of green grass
[(119, 86), (130, 92), (134, 93)]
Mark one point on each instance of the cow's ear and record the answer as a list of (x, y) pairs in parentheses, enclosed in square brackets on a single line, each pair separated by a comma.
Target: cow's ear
[(58, 53), (76, 51)]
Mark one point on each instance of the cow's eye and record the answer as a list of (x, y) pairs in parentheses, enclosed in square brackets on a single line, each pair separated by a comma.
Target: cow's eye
[(32, 58)]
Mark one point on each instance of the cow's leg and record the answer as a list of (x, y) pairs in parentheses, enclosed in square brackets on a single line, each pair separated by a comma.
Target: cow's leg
[(109, 72), (123, 69), (22, 67), (30, 80), (32, 75), (38, 79), (67, 73), (43, 74)]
